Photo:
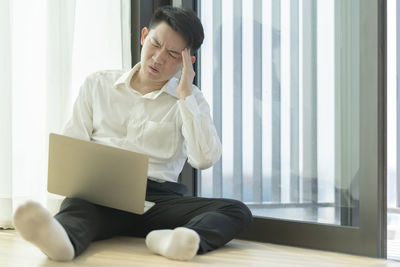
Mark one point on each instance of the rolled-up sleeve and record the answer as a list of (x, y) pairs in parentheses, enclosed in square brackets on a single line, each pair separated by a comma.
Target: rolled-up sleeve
[(201, 138), (80, 125)]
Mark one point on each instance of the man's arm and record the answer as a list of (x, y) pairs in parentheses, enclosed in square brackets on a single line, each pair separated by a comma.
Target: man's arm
[(202, 142), (201, 138)]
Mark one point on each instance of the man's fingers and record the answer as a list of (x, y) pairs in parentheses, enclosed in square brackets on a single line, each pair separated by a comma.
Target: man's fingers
[(189, 60), (186, 60), (184, 57)]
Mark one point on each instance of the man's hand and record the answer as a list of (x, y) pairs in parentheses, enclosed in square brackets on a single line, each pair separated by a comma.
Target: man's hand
[(184, 88)]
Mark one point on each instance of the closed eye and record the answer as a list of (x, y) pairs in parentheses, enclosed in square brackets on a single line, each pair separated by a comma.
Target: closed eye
[(155, 43), (173, 55)]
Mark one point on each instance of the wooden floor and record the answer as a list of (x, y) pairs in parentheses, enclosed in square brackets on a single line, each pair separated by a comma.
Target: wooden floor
[(126, 251)]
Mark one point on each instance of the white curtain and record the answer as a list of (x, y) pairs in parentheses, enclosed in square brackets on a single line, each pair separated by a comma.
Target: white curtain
[(46, 50)]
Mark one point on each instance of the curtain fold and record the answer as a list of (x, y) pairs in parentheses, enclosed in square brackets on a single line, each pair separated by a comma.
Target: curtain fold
[(59, 50), (47, 49)]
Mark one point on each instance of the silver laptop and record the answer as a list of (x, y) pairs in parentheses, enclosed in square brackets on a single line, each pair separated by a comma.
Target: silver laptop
[(101, 174)]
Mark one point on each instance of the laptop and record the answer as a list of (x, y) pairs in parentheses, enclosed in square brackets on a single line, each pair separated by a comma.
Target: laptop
[(100, 174)]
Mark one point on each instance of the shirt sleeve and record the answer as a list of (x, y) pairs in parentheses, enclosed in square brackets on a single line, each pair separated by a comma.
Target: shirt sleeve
[(80, 125), (201, 138)]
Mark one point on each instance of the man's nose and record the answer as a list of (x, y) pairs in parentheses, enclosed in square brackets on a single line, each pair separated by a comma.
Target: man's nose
[(159, 57)]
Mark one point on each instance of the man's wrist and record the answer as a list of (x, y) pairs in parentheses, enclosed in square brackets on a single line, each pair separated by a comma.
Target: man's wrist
[(183, 96), (184, 93)]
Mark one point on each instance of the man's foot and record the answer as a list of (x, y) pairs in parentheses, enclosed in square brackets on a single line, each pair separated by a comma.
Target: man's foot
[(178, 244), (36, 225)]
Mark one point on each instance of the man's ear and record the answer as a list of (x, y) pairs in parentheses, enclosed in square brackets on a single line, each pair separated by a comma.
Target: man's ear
[(193, 58), (145, 32)]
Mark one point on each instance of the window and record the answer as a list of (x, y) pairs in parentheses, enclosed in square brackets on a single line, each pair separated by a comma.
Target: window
[(297, 90), (285, 95)]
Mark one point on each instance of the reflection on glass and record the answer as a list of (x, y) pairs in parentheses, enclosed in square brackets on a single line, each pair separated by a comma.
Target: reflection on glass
[(284, 93)]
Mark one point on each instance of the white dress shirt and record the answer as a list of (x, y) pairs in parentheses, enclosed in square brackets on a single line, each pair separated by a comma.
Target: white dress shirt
[(168, 129)]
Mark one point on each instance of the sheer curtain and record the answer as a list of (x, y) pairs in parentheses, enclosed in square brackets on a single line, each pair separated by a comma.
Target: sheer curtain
[(46, 50)]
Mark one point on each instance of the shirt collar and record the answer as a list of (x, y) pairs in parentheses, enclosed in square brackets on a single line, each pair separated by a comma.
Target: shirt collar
[(169, 87)]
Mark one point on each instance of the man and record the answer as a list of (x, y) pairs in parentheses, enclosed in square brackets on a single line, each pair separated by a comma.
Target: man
[(150, 111)]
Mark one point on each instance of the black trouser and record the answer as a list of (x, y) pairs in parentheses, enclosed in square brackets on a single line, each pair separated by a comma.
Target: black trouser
[(216, 220)]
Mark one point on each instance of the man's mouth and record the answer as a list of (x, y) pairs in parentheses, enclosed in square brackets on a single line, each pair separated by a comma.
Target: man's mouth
[(153, 69)]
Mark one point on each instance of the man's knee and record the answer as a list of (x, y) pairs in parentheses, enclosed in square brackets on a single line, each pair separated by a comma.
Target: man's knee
[(239, 209), (76, 204)]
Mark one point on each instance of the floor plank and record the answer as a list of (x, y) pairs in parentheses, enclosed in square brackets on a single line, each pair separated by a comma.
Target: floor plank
[(127, 251)]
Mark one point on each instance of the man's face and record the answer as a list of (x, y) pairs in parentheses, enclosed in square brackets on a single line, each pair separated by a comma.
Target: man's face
[(161, 56)]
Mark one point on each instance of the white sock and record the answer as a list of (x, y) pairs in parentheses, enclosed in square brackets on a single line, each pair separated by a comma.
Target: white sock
[(178, 244), (36, 225)]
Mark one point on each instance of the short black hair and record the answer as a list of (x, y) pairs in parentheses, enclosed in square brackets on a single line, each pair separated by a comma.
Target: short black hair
[(183, 21)]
